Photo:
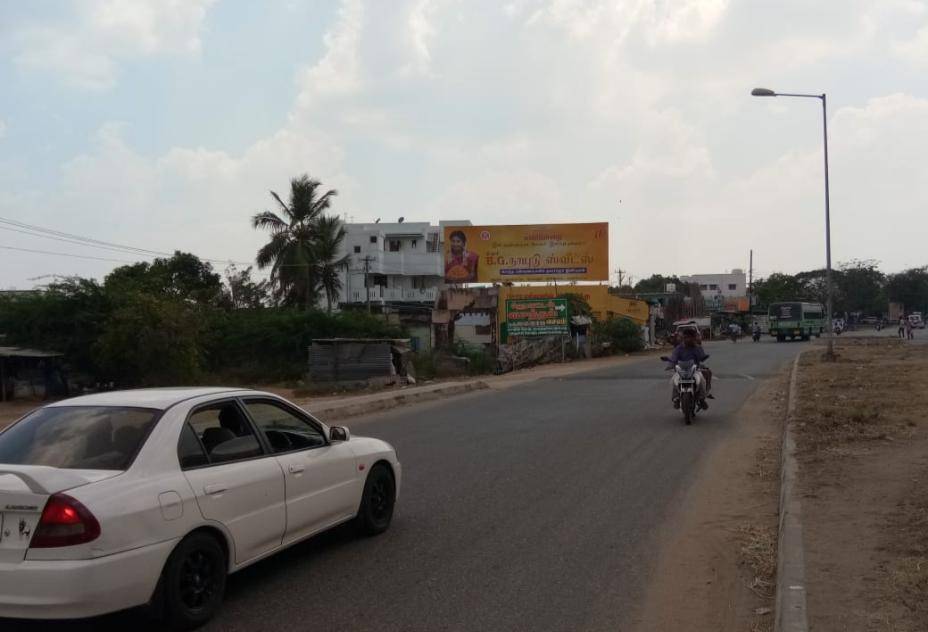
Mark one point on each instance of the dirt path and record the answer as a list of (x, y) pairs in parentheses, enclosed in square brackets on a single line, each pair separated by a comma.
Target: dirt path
[(716, 573)]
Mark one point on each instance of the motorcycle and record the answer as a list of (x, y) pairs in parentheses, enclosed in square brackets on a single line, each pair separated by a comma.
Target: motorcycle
[(687, 380), (755, 336)]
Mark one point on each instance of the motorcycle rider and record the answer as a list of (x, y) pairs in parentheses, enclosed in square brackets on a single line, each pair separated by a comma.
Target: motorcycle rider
[(690, 350), (755, 330)]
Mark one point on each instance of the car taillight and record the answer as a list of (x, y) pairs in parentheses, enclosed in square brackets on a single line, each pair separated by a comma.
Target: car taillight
[(64, 522)]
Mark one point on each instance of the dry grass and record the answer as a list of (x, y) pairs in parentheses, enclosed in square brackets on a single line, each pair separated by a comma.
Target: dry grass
[(867, 403), (758, 551), (905, 579), (867, 395), (766, 467)]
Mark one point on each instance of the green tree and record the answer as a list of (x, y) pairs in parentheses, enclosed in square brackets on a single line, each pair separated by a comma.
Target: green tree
[(862, 287), (330, 234), (910, 288), (67, 317), (183, 277), (242, 292), (657, 283), (577, 305), (292, 252), (151, 341), (778, 287), (622, 334)]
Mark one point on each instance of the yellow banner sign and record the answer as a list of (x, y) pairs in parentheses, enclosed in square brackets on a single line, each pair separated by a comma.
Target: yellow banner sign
[(603, 304), (487, 254)]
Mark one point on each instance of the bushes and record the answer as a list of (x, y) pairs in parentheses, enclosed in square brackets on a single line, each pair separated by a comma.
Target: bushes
[(621, 334), (271, 344), (151, 341), (134, 337), (481, 361)]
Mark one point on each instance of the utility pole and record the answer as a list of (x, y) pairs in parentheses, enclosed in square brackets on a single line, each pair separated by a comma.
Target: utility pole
[(751, 281), (621, 275), (367, 288)]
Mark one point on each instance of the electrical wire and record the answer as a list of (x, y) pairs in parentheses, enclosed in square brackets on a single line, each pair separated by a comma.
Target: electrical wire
[(65, 254), (49, 233)]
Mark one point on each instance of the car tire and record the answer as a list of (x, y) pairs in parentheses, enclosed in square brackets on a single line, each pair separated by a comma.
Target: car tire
[(192, 583), (377, 501)]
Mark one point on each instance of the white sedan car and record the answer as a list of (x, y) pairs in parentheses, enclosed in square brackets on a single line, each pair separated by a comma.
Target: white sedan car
[(153, 496)]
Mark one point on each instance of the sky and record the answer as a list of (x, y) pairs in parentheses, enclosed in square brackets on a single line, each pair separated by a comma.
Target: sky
[(163, 125)]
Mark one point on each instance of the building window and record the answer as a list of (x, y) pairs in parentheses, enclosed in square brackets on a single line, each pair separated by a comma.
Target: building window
[(379, 279), (732, 286), (414, 242), (418, 282), (713, 286), (432, 244), (703, 287), (373, 239), (394, 245), (357, 249)]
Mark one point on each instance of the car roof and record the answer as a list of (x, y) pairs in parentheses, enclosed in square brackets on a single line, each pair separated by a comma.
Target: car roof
[(159, 398)]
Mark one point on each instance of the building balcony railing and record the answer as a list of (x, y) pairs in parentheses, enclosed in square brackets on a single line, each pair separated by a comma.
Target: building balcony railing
[(378, 294)]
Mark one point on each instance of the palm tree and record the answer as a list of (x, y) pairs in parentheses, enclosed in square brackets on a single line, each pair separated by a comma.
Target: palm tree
[(292, 252), (329, 237)]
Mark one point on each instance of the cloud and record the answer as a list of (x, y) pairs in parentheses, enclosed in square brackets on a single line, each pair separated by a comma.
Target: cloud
[(915, 50), (338, 72), (630, 111), (85, 51)]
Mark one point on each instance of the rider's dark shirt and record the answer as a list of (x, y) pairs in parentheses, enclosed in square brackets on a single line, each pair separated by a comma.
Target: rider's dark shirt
[(683, 353)]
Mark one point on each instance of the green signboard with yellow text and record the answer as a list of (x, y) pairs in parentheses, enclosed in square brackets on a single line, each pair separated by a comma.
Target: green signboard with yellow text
[(526, 317)]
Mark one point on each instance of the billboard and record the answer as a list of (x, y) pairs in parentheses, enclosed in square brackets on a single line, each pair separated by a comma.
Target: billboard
[(488, 254), (537, 317), (603, 304)]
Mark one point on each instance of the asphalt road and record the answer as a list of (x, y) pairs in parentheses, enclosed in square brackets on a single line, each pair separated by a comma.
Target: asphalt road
[(534, 508)]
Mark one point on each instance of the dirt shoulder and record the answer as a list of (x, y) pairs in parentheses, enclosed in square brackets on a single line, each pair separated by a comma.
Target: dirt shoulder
[(862, 445), (718, 564)]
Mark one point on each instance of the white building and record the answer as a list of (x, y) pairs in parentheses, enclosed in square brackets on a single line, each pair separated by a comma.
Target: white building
[(716, 287), (402, 262)]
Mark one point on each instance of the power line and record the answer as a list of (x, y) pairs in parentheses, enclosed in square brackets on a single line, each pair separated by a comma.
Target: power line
[(94, 243), (66, 254), (63, 239)]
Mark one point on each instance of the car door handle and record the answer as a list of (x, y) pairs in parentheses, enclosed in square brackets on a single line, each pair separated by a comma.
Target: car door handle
[(297, 469), (214, 490)]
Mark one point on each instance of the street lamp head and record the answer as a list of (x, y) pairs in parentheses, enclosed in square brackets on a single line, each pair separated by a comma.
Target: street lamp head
[(763, 92)]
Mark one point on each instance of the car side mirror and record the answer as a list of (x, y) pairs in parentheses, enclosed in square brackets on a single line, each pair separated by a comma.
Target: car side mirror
[(339, 433)]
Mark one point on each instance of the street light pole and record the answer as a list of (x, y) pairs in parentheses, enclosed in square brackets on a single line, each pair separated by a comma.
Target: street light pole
[(829, 290), (830, 353)]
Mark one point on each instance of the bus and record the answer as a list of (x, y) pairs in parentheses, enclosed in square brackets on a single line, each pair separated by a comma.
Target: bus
[(796, 320)]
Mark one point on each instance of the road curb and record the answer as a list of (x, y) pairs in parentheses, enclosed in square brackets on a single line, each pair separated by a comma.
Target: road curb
[(343, 411), (790, 609)]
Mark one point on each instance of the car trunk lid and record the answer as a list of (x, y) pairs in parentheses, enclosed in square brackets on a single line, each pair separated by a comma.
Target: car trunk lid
[(24, 490)]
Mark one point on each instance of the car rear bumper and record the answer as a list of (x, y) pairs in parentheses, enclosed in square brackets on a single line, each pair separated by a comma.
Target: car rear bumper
[(70, 589)]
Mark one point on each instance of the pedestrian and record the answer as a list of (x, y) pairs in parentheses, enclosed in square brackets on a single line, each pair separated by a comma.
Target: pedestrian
[(902, 323), (909, 330)]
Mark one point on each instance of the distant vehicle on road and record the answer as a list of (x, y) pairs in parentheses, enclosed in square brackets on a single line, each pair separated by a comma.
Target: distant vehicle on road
[(796, 319), (702, 327), (153, 496), (915, 318)]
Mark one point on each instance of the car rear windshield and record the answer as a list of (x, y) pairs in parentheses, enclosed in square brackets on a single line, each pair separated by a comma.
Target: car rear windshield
[(78, 437)]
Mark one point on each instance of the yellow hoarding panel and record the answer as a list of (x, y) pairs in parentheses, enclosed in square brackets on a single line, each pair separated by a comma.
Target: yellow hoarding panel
[(603, 304), (487, 254)]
